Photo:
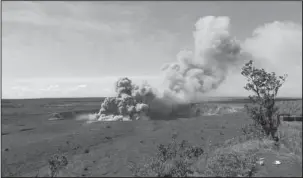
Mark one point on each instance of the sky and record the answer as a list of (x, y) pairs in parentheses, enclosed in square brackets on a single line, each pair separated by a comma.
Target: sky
[(79, 49)]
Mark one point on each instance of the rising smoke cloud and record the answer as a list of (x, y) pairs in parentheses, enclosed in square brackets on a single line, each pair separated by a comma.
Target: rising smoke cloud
[(131, 102), (204, 69), (198, 72)]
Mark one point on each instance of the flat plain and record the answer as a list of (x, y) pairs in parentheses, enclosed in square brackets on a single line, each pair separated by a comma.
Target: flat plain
[(29, 138)]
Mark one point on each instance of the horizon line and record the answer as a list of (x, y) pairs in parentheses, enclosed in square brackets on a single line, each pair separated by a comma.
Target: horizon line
[(281, 97)]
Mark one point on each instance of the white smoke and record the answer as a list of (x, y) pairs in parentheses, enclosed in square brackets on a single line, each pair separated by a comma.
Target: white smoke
[(203, 70), (144, 93), (131, 103)]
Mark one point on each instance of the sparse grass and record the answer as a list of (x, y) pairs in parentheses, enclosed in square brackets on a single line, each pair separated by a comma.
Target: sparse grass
[(228, 162), (291, 137), (290, 107), (232, 158), (292, 125), (172, 160), (238, 156), (235, 157)]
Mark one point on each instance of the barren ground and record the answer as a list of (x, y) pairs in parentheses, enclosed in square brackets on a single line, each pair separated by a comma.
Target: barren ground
[(102, 148)]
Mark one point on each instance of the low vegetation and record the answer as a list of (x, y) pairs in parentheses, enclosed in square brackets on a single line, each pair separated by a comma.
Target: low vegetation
[(290, 107), (56, 163), (290, 134), (172, 160)]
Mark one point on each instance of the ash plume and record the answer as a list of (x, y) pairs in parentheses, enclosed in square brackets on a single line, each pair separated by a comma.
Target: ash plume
[(131, 102), (204, 69), (196, 73)]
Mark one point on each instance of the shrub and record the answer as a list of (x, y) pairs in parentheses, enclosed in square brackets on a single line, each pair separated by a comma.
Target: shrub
[(56, 163), (172, 160), (265, 87)]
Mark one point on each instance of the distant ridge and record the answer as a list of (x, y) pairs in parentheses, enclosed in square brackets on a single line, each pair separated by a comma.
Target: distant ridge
[(98, 98), (65, 98)]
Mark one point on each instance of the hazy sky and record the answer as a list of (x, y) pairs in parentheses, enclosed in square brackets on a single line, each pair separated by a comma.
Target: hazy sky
[(78, 49)]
